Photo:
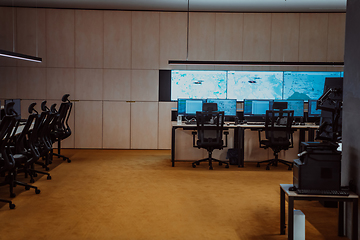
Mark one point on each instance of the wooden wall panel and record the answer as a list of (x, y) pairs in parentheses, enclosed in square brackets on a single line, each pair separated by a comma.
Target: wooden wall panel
[(145, 40), (60, 38), (336, 37), (145, 85), (117, 39), (285, 36), (88, 84), (88, 124), (173, 31), (117, 84), (60, 81), (313, 38), (7, 34), (164, 126), (30, 35), (229, 36), (8, 88), (31, 83), (116, 125), (257, 36), (89, 39), (202, 36), (144, 125)]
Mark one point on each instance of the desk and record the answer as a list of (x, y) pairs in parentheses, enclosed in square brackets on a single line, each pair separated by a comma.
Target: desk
[(237, 144), (239, 136), (292, 196)]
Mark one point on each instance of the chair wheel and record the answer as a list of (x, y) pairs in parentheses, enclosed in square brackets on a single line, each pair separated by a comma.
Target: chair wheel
[(12, 195), (27, 187), (193, 165), (220, 163), (11, 205), (37, 191), (69, 161), (48, 177), (267, 168), (47, 168), (32, 180), (227, 166), (210, 168), (258, 165), (289, 168)]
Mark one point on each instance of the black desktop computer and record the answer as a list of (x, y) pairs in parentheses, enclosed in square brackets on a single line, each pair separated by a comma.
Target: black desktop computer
[(318, 168)]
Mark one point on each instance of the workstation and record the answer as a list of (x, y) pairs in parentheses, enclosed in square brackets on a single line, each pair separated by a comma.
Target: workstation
[(110, 60)]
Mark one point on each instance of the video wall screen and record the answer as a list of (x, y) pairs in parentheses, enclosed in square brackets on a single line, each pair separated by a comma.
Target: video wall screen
[(242, 85), (198, 84)]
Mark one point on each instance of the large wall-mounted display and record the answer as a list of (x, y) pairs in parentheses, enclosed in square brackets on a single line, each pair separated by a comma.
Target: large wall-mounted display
[(242, 85)]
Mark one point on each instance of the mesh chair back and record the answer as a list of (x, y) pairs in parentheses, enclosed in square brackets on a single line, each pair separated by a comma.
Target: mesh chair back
[(210, 129), (6, 128), (278, 126)]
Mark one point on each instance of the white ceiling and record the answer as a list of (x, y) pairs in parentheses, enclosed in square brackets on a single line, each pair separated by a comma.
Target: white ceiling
[(194, 5)]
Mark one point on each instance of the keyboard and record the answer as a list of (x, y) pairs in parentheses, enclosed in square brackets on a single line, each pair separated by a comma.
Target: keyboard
[(322, 192), (255, 123)]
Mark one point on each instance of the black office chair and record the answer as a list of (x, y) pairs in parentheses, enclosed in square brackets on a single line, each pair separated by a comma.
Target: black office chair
[(62, 129), (279, 135), (210, 126), (7, 165)]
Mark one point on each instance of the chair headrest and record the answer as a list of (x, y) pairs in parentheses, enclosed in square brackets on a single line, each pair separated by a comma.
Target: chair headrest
[(31, 108), (9, 109), (53, 108), (65, 98), (43, 106)]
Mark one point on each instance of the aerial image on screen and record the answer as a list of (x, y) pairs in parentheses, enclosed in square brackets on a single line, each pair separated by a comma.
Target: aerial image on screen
[(228, 106), (255, 85), (305, 85), (198, 84)]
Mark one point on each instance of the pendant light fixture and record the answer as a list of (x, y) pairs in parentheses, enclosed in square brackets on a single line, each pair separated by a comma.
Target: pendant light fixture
[(21, 56)]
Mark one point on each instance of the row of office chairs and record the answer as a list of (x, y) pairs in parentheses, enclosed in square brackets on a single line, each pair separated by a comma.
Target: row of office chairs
[(278, 134), (24, 145)]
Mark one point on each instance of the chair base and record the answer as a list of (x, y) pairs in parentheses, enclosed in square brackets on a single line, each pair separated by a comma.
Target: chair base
[(274, 162), (210, 159), (11, 205)]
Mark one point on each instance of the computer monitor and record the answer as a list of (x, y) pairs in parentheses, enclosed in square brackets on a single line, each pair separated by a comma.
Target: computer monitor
[(228, 106), (189, 107), (257, 107), (17, 105), (312, 111), (296, 105)]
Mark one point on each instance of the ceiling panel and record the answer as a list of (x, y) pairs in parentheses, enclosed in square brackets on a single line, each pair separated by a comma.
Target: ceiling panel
[(194, 5)]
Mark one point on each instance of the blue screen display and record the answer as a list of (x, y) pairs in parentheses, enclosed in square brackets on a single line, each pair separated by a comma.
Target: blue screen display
[(189, 107), (228, 106), (257, 107), (240, 85), (312, 112), (305, 85), (198, 84), (296, 105)]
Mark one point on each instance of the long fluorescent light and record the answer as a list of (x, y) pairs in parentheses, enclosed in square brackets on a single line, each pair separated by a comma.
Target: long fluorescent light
[(20, 56), (256, 63)]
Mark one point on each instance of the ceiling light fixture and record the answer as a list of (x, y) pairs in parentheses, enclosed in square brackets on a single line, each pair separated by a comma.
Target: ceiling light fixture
[(13, 54), (20, 56)]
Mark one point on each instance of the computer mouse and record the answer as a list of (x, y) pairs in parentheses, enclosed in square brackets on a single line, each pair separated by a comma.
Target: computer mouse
[(293, 188)]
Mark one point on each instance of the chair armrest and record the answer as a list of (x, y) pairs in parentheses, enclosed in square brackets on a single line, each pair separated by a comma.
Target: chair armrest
[(194, 133), (260, 139), (226, 133)]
